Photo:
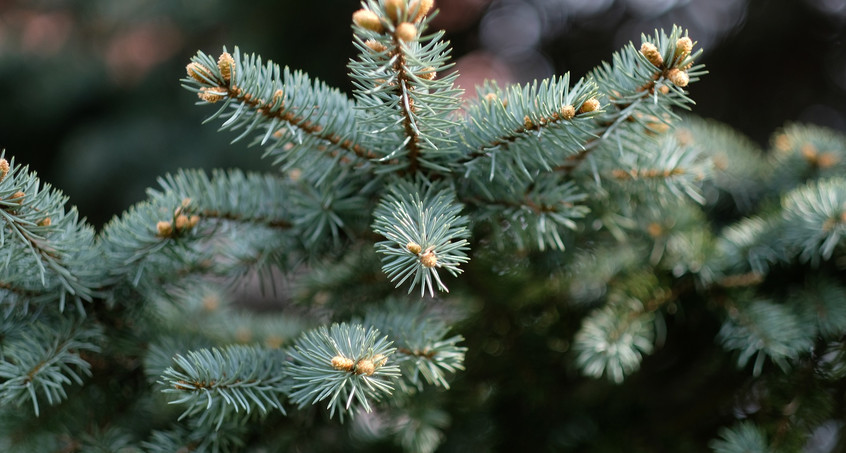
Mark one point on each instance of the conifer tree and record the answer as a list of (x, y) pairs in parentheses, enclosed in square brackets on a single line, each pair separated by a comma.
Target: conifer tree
[(398, 221)]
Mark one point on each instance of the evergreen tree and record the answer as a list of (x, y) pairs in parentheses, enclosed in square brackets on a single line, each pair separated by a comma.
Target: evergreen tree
[(574, 232)]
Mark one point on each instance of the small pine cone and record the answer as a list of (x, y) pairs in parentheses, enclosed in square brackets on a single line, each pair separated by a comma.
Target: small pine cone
[(652, 54), (395, 9), (422, 8), (589, 106), (367, 19), (212, 95), (414, 247), (428, 259), (406, 32), (199, 72), (4, 169), (679, 78), (567, 112), (683, 47), (164, 229), (342, 363), (365, 367), (226, 64)]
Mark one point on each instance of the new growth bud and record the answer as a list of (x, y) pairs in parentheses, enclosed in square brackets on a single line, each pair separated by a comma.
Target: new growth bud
[(422, 8), (406, 32), (678, 77), (4, 169), (428, 259), (652, 54), (342, 363), (367, 19), (365, 367), (567, 112), (226, 64), (395, 9), (683, 47), (414, 247), (199, 72), (212, 95), (589, 106)]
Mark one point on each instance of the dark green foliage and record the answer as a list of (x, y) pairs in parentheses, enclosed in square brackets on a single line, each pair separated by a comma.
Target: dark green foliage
[(602, 255)]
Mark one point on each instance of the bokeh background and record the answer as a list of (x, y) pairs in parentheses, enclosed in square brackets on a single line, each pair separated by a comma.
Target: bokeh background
[(91, 98)]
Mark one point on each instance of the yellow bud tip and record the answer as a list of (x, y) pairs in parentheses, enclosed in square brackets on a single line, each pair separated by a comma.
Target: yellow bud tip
[(4, 169), (413, 247), (199, 72), (567, 112), (375, 46), (428, 259), (342, 363), (679, 78), (365, 367), (406, 32), (652, 54), (226, 64), (683, 47), (212, 95), (368, 20), (17, 196), (164, 229), (395, 9), (589, 106), (45, 222), (428, 73), (420, 8)]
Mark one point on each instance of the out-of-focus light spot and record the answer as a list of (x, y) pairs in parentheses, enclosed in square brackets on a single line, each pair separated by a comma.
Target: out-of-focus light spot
[(823, 115), (38, 32), (651, 8), (506, 28), (581, 8), (476, 67), (131, 54), (454, 15), (836, 7)]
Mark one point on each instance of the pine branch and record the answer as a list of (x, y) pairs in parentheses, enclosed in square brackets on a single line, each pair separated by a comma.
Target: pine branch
[(407, 106), (424, 233), (642, 86), (47, 252), (44, 359), (299, 114), (342, 363), (217, 384), (423, 347), (522, 129)]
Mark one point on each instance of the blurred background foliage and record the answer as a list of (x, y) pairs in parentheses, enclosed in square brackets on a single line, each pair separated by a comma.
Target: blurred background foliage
[(91, 101), (91, 98)]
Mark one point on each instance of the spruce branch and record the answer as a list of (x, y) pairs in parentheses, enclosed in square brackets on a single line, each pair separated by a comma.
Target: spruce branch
[(424, 348), (424, 233), (642, 86), (47, 251), (613, 340), (516, 131), (744, 437), (762, 328), (406, 104), (342, 363), (814, 219), (40, 362), (292, 112), (217, 384)]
